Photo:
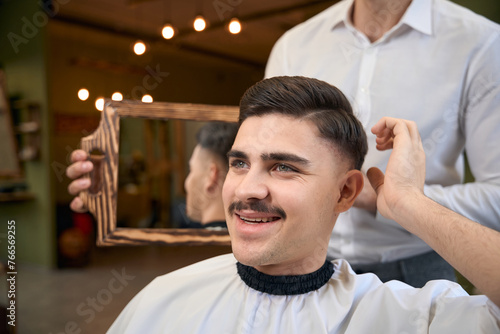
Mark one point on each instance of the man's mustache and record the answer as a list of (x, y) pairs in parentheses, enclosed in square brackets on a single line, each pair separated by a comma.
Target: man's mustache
[(257, 206)]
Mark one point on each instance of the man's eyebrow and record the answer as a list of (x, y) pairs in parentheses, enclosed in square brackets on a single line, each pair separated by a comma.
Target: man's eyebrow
[(236, 154), (275, 156), (281, 156)]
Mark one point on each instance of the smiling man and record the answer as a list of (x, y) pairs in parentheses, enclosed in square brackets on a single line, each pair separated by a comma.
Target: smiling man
[(293, 168), (287, 180)]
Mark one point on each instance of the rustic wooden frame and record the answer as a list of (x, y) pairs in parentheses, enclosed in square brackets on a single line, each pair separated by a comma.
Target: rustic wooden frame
[(101, 200)]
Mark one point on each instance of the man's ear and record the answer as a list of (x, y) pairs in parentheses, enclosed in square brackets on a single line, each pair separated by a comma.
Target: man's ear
[(212, 181), (350, 188)]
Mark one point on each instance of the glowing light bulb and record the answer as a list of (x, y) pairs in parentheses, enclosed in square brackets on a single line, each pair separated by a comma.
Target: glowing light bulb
[(139, 48), (147, 98), (235, 26), (83, 94), (199, 23), (117, 96), (99, 104), (168, 31)]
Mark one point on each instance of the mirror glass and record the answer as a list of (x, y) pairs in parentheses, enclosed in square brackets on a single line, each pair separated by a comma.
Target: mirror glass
[(152, 166)]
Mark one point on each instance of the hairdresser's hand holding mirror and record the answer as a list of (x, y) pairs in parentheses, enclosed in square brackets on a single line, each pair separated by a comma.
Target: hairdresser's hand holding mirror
[(80, 166)]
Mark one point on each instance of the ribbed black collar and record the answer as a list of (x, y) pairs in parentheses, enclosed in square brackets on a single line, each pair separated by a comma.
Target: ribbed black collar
[(285, 285)]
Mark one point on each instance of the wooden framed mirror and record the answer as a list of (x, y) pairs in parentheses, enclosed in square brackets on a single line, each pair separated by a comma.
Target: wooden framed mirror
[(158, 120)]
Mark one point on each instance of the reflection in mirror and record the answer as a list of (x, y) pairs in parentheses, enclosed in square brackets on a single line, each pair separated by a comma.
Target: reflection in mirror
[(153, 165)]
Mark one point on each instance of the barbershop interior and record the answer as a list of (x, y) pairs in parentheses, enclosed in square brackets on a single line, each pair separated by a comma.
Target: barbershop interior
[(130, 81)]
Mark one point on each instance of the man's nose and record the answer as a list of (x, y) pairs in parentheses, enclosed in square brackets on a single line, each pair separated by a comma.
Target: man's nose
[(252, 186)]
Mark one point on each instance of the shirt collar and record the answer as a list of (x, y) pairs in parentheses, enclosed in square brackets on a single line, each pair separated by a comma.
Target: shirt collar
[(418, 15), (287, 284), (342, 14)]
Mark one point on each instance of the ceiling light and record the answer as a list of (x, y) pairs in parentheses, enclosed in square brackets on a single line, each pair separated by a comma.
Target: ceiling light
[(168, 31), (234, 26), (99, 104), (83, 94), (139, 48), (147, 98), (199, 23), (117, 96)]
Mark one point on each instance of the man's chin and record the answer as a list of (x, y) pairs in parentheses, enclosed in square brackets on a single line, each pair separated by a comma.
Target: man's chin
[(245, 258)]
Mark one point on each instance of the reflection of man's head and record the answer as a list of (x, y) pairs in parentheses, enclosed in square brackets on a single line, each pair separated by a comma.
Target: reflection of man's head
[(294, 166), (208, 167)]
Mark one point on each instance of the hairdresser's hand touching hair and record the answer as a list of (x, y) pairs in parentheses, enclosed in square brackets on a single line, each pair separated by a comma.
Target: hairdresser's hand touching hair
[(469, 247), (80, 165), (405, 173)]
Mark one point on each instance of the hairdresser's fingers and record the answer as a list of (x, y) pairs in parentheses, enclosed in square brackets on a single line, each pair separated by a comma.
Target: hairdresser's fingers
[(78, 169), (77, 205), (376, 178), (389, 129), (78, 155), (78, 186)]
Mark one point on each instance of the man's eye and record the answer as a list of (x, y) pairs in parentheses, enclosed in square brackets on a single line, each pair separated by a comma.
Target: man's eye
[(238, 164), (284, 168)]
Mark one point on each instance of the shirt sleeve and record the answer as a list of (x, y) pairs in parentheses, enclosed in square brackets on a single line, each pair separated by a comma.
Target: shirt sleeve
[(276, 64), (480, 123)]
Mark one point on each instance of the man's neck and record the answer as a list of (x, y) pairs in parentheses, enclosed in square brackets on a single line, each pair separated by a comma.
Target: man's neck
[(213, 214), (376, 17)]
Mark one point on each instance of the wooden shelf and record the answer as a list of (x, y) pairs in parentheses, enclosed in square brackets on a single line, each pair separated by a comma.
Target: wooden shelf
[(17, 196)]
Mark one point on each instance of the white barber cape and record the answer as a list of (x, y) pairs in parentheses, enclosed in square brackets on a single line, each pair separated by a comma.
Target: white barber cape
[(211, 297)]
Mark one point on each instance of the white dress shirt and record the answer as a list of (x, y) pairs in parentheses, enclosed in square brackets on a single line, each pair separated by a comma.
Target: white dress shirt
[(440, 67), (210, 297)]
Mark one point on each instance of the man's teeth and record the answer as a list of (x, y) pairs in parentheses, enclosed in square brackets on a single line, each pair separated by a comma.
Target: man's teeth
[(259, 220)]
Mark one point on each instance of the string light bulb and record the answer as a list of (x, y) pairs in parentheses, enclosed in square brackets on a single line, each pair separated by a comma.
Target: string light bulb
[(139, 48), (147, 98), (83, 94), (234, 26), (99, 104), (199, 23), (168, 31), (117, 96)]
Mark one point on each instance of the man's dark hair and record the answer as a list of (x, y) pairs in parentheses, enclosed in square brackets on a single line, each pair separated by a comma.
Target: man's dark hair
[(312, 99), (217, 137)]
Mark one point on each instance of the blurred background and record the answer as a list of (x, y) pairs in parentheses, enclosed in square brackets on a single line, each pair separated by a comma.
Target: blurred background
[(58, 59)]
